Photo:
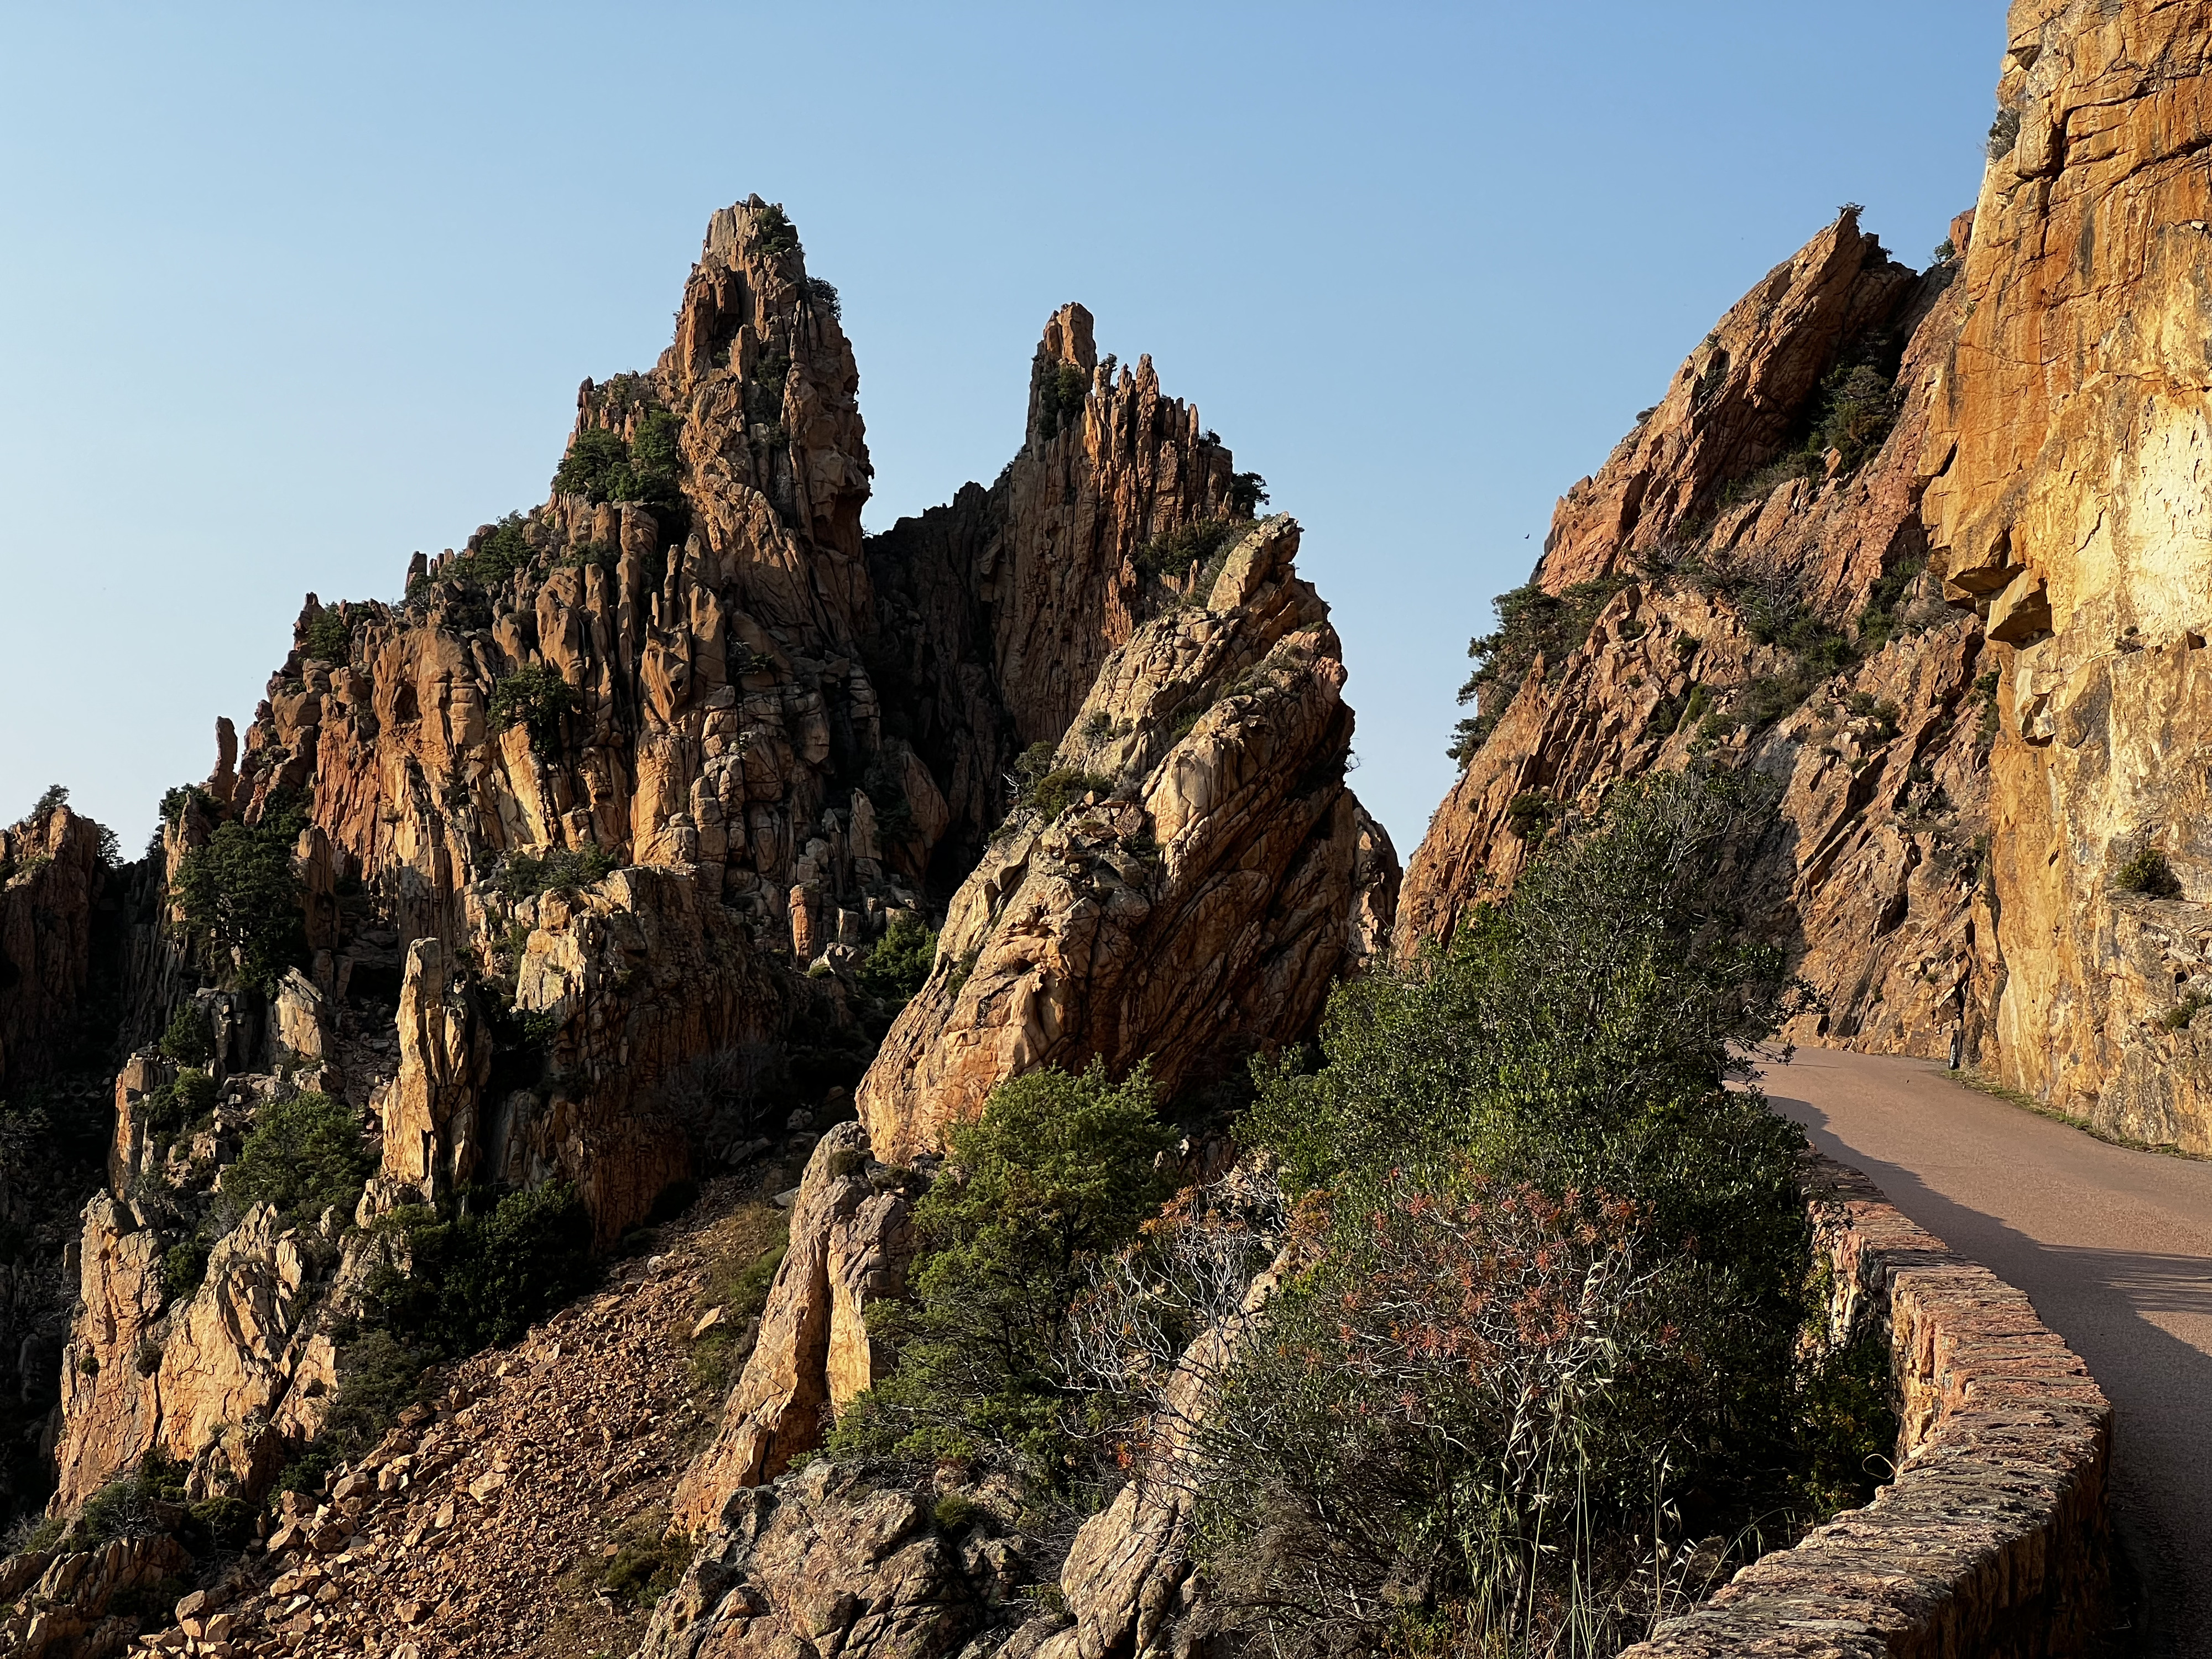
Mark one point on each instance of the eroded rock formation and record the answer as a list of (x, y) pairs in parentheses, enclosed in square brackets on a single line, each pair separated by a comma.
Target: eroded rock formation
[(1185, 893), (1981, 788)]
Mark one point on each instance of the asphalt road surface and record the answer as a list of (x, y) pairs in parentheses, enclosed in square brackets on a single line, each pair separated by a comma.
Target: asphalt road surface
[(2114, 1248)]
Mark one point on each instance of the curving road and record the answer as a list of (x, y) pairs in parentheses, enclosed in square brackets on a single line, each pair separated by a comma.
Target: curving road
[(2114, 1248)]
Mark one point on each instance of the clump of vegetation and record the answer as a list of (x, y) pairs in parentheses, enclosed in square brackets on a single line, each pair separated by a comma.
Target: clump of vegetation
[(1058, 1170), (1060, 396), (1855, 408), (481, 1277), (184, 1268), (536, 696), (565, 871), (1530, 813), (1174, 553), (744, 1252), (900, 964), (304, 1156), (1247, 493), (1563, 1274), (2150, 873), (1531, 624), (648, 1559), (2178, 1017), (328, 638), (602, 465), (1051, 790), (773, 235), (822, 296), (186, 1099), (2004, 133), (240, 898), (187, 1040)]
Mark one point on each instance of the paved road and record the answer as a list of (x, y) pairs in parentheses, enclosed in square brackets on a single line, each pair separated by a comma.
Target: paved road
[(2114, 1248)]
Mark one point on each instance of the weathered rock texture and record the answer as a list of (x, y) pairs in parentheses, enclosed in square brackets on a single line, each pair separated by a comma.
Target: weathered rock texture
[(1194, 902), (50, 878), (1992, 1540), (1952, 862), (851, 1245), (1883, 765)]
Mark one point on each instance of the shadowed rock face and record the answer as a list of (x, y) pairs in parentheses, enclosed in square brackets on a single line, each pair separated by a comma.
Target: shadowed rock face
[(738, 741), (1194, 899), (1961, 803)]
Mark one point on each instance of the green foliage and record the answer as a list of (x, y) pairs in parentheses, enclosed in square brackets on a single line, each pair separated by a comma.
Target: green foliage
[(822, 296), (566, 871), (51, 799), (537, 696), (183, 1268), (1058, 1169), (1248, 491), (2147, 872), (1534, 1190), (602, 465), (1062, 393), (745, 1251), (1174, 553), (304, 1155), (480, 1279), (328, 638), (186, 1099), (899, 965), (379, 1376), (240, 898), (2178, 1017), (773, 235), (2004, 133), (1051, 790), (645, 1568), (1944, 253), (187, 1040), (1529, 814), (1847, 1423), (1531, 623)]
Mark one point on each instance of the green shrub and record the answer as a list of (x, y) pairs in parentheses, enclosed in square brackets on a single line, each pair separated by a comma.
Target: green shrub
[(822, 296), (1173, 554), (482, 1278), (900, 964), (303, 1155), (379, 1376), (1060, 397), (240, 898), (1531, 623), (536, 696), (2147, 872), (602, 465), (329, 639), (1248, 492), (184, 1269), (564, 871), (773, 235), (501, 551), (185, 1100), (1058, 1169), (187, 1040), (1532, 1184)]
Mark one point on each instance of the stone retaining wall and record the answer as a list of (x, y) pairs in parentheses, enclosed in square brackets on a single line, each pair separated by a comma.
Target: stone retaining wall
[(1992, 1542)]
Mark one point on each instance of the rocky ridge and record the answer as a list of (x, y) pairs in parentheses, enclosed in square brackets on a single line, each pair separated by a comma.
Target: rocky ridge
[(591, 837), (1992, 834)]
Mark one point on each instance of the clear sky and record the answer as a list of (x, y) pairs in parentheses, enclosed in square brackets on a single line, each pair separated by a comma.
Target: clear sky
[(287, 291)]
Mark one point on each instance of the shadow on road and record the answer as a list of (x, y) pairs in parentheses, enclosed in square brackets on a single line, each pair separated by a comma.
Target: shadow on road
[(2102, 1301)]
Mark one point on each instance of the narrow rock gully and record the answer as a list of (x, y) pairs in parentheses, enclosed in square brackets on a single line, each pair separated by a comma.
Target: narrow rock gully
[(2114, 1247)]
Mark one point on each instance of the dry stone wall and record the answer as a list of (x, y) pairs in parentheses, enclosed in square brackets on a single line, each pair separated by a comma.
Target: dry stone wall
[(1992, 1541)]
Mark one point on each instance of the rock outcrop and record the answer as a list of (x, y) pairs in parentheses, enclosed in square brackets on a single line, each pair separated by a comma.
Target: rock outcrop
[(850, 1245), (51, 877), (1789, 625), (1184, 882), (1972, 660)]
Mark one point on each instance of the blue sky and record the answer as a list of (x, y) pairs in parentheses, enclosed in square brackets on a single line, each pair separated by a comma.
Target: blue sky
[(289, 292)]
